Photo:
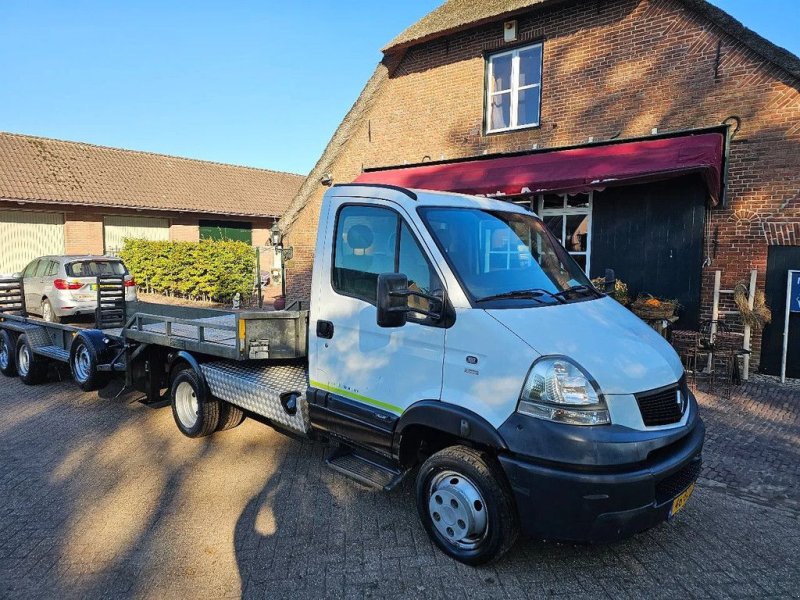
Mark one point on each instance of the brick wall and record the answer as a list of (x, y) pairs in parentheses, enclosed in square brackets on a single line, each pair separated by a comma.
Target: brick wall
[(184, 229), (83, 232), (611, 69)]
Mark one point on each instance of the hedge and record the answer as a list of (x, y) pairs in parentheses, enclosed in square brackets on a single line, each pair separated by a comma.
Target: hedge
[(211, 270)]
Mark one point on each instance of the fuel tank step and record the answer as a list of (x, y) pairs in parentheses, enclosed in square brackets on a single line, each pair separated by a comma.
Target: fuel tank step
[(365, 467)]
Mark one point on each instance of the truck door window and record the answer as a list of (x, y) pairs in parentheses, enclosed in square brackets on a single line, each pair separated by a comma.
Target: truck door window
[(366, 246), (372, 240)]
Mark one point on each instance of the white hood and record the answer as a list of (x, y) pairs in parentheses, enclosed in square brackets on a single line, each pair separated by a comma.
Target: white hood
[(621, 352)]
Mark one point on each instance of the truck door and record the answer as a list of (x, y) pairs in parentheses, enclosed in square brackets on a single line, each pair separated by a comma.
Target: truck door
[(373, 372)]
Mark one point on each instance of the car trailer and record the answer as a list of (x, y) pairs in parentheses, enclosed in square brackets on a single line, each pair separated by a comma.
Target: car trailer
[(212, 369)]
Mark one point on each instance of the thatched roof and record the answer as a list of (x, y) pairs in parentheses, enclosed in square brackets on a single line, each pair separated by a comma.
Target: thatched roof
[(458, 15)]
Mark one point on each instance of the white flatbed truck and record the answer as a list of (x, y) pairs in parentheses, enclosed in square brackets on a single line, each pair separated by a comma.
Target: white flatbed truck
[(447, 333)]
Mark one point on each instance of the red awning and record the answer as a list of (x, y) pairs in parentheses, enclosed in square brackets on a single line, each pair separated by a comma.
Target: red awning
[(574, 170)]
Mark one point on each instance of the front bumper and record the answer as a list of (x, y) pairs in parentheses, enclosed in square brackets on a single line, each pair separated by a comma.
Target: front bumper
[(603, 504)]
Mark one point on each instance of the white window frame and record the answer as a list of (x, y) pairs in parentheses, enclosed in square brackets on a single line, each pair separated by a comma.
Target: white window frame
[(564, 211), (514, 90)]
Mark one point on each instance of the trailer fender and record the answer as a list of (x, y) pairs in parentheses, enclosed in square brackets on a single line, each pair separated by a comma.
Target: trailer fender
[(457, 422)]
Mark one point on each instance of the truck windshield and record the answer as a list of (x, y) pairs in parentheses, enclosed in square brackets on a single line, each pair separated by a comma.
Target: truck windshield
[(500, 255)]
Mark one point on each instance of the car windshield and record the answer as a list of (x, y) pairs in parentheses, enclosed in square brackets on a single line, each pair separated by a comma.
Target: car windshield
[(506, 255), (93, 268)]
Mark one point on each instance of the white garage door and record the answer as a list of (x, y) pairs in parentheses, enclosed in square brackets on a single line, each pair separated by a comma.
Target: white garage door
[(116, 229), (26, 235)]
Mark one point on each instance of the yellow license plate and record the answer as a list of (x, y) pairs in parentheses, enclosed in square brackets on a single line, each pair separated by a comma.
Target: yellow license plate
[(681, 500)]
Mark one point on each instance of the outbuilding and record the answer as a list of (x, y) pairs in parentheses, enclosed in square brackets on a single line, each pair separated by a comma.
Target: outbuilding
[(655, 137), (59, 197)]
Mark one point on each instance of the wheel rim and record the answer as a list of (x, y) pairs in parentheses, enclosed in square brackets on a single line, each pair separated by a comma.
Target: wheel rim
[(23, 360), (4, 355), (47, 312), (457, 510), (186, 404), (82, 364)]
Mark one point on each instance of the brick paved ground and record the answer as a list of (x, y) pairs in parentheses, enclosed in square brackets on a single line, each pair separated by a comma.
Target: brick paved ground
[(103, 497)]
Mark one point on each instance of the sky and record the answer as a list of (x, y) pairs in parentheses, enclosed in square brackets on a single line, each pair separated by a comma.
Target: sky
[(262, 83)]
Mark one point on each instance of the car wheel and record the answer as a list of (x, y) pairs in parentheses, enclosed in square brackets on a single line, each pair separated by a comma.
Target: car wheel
[(48, 314), (195, 410), (32, 369), (8, 365), (466, 505)]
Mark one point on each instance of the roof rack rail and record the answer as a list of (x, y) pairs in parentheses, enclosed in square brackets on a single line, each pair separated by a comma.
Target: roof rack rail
[(385, 186)]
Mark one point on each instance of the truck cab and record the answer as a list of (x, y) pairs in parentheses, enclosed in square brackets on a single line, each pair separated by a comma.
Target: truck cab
[(455, 333)]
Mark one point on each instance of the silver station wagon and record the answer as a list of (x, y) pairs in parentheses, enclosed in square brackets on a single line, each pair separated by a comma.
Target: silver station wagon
[(64, 286)]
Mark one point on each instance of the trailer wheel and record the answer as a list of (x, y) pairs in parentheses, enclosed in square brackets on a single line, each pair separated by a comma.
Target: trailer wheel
[(32, 369), (195, 410), (83, 361), (8, 364), (466, 505), (230, 416)]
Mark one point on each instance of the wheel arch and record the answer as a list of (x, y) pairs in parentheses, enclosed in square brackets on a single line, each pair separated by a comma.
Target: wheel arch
[(443, 424), (94, 338), (182, 357)]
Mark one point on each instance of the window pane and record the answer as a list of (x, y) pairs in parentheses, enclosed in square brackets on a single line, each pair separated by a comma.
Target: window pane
[(578, 201), (530, 66), (500, 117), (528, 111), (554, 224), (52, 269), (553, 201), (41, 268), (577, 233), (581, 260), (365, 247), (501, 73), (414, 264)]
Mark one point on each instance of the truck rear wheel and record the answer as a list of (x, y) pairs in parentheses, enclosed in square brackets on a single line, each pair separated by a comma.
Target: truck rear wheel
[(32, 369), (8, 365), (466, 505), (230, 416), (195, 410)]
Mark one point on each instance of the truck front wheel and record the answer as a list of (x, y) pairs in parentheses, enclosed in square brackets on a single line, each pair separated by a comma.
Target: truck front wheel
[(466, 505), (195, 410)]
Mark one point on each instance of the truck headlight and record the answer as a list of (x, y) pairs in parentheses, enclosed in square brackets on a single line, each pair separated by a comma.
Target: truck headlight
[(557, 389)]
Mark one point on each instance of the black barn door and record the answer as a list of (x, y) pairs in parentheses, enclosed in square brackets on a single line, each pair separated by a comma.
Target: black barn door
[(652, 236), (780, 260)]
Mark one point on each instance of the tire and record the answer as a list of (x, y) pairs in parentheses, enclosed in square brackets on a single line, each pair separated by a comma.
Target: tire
[(83, 361), (48, 314), (195, 410), (32, 369), (8, 362), (230, 416), (466, 505)]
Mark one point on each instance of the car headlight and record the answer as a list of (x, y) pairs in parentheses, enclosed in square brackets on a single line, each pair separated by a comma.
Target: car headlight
[(559, 390)]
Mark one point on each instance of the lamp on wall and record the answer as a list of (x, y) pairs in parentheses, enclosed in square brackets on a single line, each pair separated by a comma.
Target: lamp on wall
[(277, 236)]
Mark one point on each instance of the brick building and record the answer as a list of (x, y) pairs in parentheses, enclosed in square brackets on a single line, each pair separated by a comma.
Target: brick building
[(61, 197), (656, 137)]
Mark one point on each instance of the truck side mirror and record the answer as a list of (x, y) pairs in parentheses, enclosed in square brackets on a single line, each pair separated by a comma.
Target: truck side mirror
[(611, 281), (392, 299)]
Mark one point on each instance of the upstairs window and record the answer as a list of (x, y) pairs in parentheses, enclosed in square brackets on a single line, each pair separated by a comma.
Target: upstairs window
[(514, 89)]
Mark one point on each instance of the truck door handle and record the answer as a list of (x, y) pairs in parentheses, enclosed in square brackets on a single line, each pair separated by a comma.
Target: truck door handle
[(324, 329)]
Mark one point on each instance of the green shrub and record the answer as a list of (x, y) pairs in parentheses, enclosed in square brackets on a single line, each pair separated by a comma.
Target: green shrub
[(213, 270)]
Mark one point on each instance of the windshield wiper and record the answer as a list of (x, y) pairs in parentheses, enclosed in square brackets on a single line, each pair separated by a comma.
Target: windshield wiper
[(533, 294), (578, 289)]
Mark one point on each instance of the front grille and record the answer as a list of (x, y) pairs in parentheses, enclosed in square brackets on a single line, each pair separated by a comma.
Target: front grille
[(662, 407), (671, 486)]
